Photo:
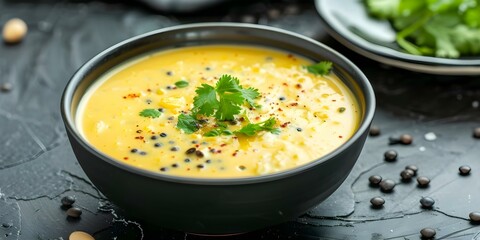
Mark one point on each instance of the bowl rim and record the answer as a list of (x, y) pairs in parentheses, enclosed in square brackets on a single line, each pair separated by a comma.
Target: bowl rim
[(77, 78)]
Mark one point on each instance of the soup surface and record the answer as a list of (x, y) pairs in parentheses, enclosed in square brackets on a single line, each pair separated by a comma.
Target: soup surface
[(131, 113)]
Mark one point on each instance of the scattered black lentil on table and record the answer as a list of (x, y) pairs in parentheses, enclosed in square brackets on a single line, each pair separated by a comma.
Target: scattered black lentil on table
[(407, 175), (390, 155), (74, 212), (423, 181), (476, 132), (374, 131), (474, 216), (464, 170), (427, 202), (387, 185), (413, 168), (406, 139), (375, 180), (428, 233), (377, 202), (68, 201), (6, 87)]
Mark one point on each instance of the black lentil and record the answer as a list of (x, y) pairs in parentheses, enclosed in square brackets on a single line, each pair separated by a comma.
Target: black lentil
[(208, 68), (194, 142), (476, 132), (200, 166), (160, 109), (6, 87), (427, 202), (143, 153), (157, 145), (375, 180), (174, 149), (74, 212), (171, 142), (208, 161), (153, 137), (423, 181), (464, 170), (413, 168), (199, 153), (190, 150), (390, 155), (299, 129), (174, 165), (377, 202), (169, 87), (187, 160), (241, 167), (406, 175), (406, 139), (169, 73), (170, 118), (281, 98), (163, 169), (134, 150), (428, 233), (139, 131), (68, 201), (374, 131), (163, 135), (148, 101), (474, 216), (387, 185)]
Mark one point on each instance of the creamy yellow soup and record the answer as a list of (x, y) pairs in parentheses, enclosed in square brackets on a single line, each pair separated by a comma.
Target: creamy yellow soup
[(314, 114)]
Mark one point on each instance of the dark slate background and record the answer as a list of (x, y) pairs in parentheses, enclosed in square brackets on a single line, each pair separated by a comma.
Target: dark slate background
[(38, 168)]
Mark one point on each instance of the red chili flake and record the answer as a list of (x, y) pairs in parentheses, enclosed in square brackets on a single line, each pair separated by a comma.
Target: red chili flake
[(285, 84), (340, 136), (235, 153), (132, 95), (125, 158), (294, 104), (284, 125), (333, 100), (303, 91), (188, 169), (223, 145), (241, 119), (219, 151), (257, 118), (149, 90), (290, 55), (139, 137), (298, 85), (280, 110), (197, 145)]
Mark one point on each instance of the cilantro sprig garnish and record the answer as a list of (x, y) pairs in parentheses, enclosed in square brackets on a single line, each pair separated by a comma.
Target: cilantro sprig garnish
[(223, 102), (253, 128), (448, 29), (150, 112), (321, 68)]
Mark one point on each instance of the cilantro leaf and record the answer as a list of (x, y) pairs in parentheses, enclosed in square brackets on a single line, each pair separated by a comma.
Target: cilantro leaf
[(253, 128), (440, 28), (150, 112), (227, 83), (229, 106), (206, 100), (217, 132), (321, 68), (187, 123), (250, 94), (181, 84)]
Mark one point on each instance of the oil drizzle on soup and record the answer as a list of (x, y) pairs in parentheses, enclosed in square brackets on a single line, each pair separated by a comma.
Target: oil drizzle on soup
[(315, 114)]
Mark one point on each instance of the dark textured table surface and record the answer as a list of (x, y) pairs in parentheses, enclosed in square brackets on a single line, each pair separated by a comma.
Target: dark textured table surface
[(38, 168)]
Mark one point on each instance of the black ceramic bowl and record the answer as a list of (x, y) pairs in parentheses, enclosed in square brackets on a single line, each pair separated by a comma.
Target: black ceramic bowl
[(217, 206)]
